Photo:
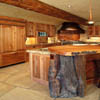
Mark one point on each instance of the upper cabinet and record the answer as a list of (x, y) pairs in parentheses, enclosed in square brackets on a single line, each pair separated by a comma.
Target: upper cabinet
[(94, 30), (30, 29), (33, 28), (52, 31)]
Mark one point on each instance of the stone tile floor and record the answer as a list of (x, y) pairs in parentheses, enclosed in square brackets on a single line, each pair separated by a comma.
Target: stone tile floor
[(15, 84)]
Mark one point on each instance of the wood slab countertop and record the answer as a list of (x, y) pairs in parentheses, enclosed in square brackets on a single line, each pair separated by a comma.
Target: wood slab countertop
[(69, 49)]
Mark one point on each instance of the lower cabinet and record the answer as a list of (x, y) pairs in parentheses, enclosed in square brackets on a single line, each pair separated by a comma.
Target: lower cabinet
[(11, 58), (39, 67), (92, 68), (39, 64)]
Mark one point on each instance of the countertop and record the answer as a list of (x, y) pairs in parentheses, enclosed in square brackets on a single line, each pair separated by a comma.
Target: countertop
[(39, 51), (69, 50), (44, 44)]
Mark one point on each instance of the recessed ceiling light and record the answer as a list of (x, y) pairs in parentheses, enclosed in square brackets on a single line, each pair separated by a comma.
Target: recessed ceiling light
[(69, 6)]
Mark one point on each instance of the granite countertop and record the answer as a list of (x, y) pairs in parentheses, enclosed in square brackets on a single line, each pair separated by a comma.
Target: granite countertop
[(39, 51)]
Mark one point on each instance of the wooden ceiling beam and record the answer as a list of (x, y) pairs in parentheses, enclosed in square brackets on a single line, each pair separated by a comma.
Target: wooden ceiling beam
[(40, 7)]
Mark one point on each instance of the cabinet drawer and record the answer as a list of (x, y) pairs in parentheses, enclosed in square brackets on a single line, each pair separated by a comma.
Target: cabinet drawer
[(12, 58)]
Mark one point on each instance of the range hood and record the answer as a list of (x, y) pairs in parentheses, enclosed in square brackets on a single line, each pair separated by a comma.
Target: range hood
[(71, 27)]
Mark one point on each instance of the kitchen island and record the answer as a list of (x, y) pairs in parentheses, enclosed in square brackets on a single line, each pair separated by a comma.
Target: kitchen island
[(72, 68), (85, 58)]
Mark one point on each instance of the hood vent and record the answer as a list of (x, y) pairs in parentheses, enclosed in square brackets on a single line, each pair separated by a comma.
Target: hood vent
[(71, 27)]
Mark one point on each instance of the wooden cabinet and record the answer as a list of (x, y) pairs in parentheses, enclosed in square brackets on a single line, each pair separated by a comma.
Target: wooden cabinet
[(12, 58), (12, 42), (52, 32), (40, 27), (94, 30), (30, 29), (39, 67), (12, 38), (48, 29), (92, 68), (33, 28)]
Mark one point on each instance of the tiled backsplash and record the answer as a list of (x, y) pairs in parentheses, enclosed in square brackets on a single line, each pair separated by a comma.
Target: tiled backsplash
[(33, 40)]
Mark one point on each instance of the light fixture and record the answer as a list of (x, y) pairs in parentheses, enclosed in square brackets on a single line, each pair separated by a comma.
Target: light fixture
[(90, 13), (69, 6)]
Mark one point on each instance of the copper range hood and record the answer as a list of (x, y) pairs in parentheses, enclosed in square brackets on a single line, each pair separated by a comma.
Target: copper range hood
[(70, 31)]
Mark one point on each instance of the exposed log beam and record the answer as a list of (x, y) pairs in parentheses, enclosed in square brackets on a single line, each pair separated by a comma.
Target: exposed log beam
[(40, 7)]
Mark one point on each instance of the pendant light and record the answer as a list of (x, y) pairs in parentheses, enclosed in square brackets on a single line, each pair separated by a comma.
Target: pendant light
[(90, 13)]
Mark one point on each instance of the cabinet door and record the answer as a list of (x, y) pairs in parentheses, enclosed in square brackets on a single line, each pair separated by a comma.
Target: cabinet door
[(40, 64), (48, 29), (40, 27), (44, 66), (19, 37), (91, 30), (36, 65), (12, 38), (1, 39), (94, 30), (6, 38), (97, 30), (30, 29), (52, 31)]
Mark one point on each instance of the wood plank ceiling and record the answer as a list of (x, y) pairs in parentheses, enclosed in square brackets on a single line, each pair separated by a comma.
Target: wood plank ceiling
[(40, 7)]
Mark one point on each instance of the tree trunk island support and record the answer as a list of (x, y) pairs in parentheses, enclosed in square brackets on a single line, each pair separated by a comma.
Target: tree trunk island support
[(68, 75)]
